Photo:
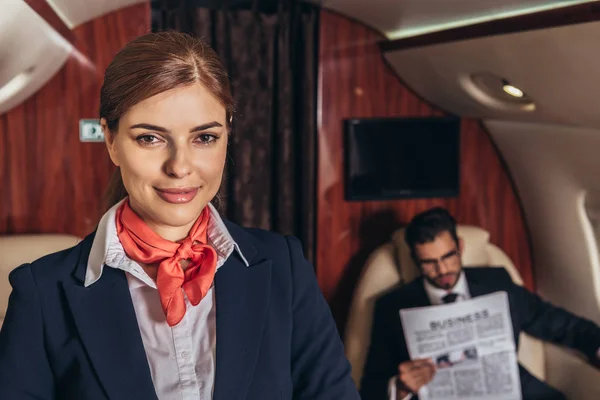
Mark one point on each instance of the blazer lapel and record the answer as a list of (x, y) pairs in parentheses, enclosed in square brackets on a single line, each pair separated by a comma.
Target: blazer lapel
[(107, 324), (476, 288), (242, 301), (420, 298)]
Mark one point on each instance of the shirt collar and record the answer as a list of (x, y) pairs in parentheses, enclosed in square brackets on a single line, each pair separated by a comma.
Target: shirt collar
[(436, 294), (107, 249)]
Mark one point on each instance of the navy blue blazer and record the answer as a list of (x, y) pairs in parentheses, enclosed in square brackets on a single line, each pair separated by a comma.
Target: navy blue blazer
[(276, 338)]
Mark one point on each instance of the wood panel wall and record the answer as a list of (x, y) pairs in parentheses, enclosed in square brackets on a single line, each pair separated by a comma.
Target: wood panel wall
[(356, 82), (51, 182)]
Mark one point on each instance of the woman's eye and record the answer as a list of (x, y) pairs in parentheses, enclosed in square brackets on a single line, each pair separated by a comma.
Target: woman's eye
[(206, 138), (147, 139)]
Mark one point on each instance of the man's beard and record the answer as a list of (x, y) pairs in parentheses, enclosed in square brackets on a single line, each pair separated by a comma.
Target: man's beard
[(438, 282)]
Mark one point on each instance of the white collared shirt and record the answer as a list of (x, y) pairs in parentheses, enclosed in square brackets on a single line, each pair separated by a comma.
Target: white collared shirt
[(435, 296), (181, 358)]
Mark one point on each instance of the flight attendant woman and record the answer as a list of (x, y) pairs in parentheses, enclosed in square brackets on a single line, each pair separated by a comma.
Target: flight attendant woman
[(167, 300)]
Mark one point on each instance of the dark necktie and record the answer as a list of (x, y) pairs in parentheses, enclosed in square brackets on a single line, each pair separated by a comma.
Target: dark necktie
[(449, 298)]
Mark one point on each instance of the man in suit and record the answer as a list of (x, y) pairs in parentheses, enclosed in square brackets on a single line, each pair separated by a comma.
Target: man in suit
[(436, 248)]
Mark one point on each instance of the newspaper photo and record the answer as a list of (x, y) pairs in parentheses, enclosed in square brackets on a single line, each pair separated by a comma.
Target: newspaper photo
[(472, 345)]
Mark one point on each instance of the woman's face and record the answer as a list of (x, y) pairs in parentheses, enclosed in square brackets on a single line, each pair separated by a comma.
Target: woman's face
[(171, 150)]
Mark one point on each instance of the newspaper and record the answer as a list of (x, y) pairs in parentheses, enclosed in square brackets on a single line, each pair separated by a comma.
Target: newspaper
[(472, 344)]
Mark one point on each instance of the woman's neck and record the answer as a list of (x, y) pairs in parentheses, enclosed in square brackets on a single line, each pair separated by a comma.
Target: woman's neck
[(172, 233)]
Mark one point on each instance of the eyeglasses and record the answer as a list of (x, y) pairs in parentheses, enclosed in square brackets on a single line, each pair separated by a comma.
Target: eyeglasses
[(449, 259)]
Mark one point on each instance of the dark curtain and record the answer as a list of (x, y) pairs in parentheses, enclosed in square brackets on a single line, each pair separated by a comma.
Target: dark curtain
[(270, 51)]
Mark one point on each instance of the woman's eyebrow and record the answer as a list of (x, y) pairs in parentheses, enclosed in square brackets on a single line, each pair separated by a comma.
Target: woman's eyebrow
[(149, 127), (206, 126), (157, 128)]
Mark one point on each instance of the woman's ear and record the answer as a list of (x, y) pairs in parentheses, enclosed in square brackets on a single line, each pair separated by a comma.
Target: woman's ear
[(109, 139)]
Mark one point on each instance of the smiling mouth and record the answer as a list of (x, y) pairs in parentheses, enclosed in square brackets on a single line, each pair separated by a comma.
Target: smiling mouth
[(177, 195)]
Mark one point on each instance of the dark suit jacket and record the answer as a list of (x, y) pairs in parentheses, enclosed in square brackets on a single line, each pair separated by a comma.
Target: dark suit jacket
[(528, 311), (276, 338)]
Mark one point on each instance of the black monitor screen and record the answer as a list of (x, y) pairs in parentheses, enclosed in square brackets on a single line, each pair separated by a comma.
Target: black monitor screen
[(394, 158)]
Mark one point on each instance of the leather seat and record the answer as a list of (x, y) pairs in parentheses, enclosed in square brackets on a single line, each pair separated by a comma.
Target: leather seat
[(19, 249), (390, 265)]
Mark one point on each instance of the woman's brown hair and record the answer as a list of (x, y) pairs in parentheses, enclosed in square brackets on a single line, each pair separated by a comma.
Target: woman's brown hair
[(152, 64)]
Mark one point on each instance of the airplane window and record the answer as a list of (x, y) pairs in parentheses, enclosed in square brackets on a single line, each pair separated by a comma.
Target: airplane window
[(590, 205)]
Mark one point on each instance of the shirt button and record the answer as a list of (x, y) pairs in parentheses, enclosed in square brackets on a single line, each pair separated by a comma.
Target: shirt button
[(185, 355)]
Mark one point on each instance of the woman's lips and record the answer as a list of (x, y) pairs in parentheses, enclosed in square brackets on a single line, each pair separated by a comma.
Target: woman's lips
[(177, 195)]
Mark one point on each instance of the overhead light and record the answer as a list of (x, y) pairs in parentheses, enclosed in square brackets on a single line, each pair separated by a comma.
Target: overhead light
[(512, 90), (15, 85), (496, 92)]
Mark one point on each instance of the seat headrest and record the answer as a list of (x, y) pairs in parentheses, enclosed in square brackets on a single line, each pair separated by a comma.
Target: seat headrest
[(20, 249), (475, 252)]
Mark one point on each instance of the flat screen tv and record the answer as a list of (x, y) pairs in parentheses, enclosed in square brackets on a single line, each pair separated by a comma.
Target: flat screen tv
[(401, 158)]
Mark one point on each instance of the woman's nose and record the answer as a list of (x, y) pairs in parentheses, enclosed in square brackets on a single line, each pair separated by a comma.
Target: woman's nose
[(179, 164)]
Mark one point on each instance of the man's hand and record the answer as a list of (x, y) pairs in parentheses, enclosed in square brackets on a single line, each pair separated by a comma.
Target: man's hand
[(415, 374)]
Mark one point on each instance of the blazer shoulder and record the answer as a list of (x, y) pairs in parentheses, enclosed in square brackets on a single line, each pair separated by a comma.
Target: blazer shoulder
[(402, 296), (268, 243), (278, 246), (496, 275), (265, 237), (254, 234), (55, 266)]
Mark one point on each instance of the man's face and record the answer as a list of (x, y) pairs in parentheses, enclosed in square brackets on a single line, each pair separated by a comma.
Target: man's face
[(440, 261)]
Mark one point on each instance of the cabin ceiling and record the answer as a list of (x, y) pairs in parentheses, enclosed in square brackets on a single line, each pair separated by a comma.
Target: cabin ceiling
[(404, 18), (23, 70), (77, 12), (421, 68), (394, 18), (558, 68)]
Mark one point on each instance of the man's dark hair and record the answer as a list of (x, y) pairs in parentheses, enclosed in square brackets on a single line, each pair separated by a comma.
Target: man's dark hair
[(424, 228)]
